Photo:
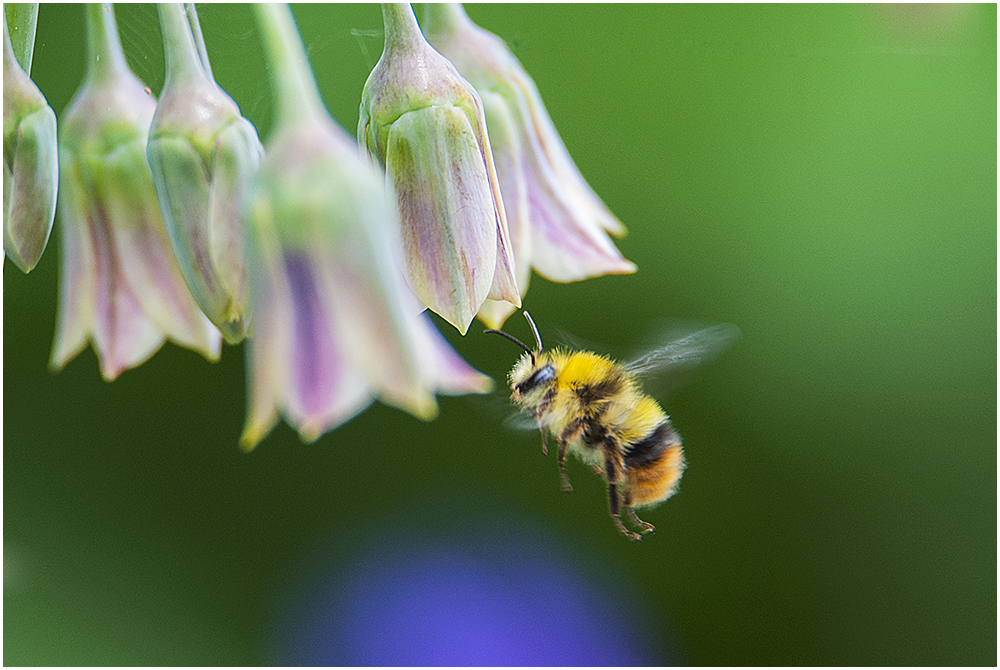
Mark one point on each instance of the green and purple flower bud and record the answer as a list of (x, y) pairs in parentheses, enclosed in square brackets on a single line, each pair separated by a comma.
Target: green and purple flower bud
[(202, 154), (119, 284), (425, 124), (30, 163), (558, 225), (334, 325)]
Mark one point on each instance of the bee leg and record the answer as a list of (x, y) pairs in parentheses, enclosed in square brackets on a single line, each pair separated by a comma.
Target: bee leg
[(563, 475), (612, 473), (569, 433), (613, 506), (643, 526), (545, 438)]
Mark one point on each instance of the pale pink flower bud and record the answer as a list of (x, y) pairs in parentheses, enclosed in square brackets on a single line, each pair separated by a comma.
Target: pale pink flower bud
[(557, 224), (426, 125), (30, 163), (119, 283), (202, 154)]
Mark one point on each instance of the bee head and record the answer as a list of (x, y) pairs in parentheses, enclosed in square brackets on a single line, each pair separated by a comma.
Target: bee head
[(534, 371)]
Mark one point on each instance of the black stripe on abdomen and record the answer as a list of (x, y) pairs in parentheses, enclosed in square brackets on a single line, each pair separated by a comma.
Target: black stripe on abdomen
[(652, 447)]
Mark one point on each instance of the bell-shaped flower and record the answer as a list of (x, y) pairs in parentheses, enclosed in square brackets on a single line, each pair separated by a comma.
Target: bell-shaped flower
[(119, 282), (334, 325), (30, 163), (202, 154), (425, 124), (558, 225)]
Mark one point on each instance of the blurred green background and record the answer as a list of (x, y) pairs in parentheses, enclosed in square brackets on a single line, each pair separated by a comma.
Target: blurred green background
[(822, 176)]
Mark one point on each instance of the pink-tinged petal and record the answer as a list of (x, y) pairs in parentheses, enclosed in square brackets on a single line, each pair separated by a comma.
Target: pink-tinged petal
[(147, 264), (325, 389), (448, 218), (266, 368), (508, 157), (78, 272), (509, 160), (559, 160), (569, 223), (566, 247), (123, 335), (268, 349), (443, 369), (504, 286), (334, 325)]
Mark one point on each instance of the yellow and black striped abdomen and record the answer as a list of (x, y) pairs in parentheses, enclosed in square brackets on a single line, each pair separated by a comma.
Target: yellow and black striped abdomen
[(653, 466)]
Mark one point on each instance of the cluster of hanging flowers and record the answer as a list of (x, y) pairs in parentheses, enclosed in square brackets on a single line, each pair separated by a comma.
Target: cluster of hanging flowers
[(177, 223)]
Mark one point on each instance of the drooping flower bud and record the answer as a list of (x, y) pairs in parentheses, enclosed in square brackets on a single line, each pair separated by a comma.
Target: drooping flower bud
[(334, 324), (425, 124), (557, 224), (119, 282), (30, 163), (202, 154)]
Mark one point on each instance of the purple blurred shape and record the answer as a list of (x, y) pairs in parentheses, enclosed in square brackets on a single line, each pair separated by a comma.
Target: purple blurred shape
[(504, 599)]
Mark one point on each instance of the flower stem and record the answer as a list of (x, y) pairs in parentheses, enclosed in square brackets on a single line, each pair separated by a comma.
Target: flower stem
[(293, 86), (444, 17), (105, 58), (199, 40), (20, 20), (401, 30), (183, 62)]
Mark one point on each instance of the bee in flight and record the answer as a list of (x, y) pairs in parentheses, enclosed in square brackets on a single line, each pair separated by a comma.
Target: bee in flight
[(596, 409)]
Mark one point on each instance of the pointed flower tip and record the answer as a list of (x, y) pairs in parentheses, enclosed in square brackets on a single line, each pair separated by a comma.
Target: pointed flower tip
[(249, 441), (309, 432), (480, 384), (494, 313), (424, 408), (255, 431)]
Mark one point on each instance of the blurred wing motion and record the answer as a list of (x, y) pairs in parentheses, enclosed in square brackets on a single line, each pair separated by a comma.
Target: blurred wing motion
[(685, 351), (520, 420)]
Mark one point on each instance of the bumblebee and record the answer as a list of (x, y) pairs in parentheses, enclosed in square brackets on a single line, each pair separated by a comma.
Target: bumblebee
[(595, 408)]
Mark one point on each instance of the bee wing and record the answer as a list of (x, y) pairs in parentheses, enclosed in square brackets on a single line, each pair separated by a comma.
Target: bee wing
[(688, 348), (520, 421)]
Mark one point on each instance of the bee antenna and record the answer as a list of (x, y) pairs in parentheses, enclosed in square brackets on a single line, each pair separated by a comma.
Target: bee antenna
[(534, 330), (512, 339)]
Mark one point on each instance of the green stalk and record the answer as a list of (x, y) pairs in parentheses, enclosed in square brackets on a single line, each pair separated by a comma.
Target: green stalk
[(199, 40), (183, 62), (401, 28), (443, 17), (105, 58), (21, 19), (293, 86)]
